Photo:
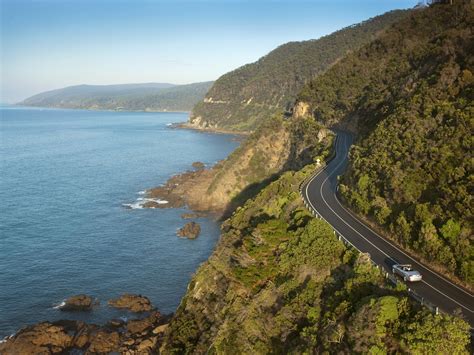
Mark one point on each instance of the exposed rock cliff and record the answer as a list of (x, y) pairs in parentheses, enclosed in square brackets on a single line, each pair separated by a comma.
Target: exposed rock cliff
[(277, 146)]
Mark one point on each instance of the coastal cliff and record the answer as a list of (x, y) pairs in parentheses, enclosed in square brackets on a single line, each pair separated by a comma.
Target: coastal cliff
[(277, 146), (243, 98), (279, 281)]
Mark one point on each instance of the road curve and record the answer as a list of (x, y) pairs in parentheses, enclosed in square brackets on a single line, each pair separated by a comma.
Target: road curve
[(320, 194)]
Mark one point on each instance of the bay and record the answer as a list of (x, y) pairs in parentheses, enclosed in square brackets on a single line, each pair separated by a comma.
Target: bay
[(65, 176)]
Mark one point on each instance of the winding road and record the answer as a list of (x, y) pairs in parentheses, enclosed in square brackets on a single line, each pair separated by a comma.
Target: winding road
[(319, 193)]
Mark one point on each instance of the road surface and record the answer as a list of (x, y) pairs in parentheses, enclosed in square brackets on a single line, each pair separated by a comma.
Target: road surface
[(320, 194)]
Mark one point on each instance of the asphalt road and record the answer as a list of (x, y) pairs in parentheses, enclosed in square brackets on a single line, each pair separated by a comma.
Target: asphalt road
[(320, 193)]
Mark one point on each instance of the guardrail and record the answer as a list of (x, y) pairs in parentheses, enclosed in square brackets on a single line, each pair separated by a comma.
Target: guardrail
[(392, 278)]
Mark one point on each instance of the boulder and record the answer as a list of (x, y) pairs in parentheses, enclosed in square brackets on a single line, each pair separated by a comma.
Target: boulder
[(41, 338), (190, 230), (160, 329), (115, 323), (134, 303), (198, 165), (137, 336), (151, 204), (147, 345), (78, 303), (137, 327), (104, 342)]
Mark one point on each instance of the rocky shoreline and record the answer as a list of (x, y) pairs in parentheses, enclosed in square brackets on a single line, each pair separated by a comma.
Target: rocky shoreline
[(142, 335), (187, 125)]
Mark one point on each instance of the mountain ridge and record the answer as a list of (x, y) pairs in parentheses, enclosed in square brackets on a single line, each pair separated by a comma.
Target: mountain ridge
[(133, 97), (242, 98), (279, 280)]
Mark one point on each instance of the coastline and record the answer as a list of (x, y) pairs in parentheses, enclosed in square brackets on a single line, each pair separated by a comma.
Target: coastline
[(186, 125), (101, 327), (190, 188), (95, 109)]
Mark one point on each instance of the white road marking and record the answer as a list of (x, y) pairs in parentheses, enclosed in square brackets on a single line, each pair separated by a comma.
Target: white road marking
[(322, 196), (400, 250)]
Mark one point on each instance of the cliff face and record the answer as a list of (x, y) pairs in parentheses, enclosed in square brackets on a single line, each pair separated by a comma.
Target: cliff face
[(242, 99), (277, 146), (280, 282)]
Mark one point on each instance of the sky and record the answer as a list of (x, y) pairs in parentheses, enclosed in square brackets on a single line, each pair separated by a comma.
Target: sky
[(49, 44)]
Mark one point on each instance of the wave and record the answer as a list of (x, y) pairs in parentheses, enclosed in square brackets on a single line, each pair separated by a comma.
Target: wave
[(133, 206), (157, 200), (4, 340), (140, 202), (59, 305)]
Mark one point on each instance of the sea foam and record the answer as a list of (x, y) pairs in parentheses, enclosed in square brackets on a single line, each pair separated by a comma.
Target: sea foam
[(59, 305), (141, 201)]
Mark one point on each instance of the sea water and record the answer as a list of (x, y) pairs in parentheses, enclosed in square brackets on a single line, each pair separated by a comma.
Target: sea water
[(66, 177)]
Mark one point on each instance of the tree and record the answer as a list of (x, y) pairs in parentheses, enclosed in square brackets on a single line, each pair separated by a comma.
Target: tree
[(437, 334), (451, 230)]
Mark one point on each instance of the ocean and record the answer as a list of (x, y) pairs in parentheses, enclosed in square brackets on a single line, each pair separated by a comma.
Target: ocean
[(65, 179)]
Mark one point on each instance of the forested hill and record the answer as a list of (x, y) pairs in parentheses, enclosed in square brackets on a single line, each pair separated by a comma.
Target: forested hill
[(410, 95), (132, 97), (279, 281), (239, 100)]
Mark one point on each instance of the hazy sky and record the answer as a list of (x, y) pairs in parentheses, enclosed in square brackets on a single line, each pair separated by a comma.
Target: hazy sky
[(48, 44)]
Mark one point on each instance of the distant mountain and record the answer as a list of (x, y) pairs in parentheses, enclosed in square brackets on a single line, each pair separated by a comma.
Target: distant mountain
[(133, 97), (239, 100)]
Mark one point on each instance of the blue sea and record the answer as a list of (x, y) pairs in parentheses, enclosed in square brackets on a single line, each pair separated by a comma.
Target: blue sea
[(65, 176)]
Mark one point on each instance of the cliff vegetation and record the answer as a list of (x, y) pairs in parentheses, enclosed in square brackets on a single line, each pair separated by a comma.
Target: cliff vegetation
[(242, 99), (280, 282), (409, 94)]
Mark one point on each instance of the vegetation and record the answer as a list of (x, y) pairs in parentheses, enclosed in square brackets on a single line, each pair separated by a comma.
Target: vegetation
[(280, 282), (130, 97), (242, 99), (278, 145), (410, 93)]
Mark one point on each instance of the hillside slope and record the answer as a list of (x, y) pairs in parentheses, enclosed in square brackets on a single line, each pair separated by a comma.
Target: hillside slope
[(241, 99), (132, 97), (279, 282), (278, 145), (410, 95)]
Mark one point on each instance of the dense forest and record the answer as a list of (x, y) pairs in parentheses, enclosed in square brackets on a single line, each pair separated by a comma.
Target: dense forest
[(409, 94), (241, 99), (280, 282), (129, 97)]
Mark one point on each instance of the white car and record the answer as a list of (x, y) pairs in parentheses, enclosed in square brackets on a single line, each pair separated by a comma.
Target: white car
[(407, 272)]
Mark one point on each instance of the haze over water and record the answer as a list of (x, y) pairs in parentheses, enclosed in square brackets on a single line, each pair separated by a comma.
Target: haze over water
[(65, 175)]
